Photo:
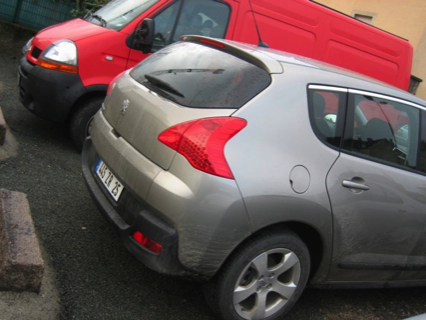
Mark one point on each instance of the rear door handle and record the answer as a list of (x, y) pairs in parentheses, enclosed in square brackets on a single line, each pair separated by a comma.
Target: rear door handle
[(355, 185)]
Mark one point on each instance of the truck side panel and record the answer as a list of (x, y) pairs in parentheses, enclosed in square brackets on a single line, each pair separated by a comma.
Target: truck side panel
[(307, 28)]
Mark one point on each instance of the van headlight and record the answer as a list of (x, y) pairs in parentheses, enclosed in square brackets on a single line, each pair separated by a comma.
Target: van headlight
[(27, 46), (60, 56)]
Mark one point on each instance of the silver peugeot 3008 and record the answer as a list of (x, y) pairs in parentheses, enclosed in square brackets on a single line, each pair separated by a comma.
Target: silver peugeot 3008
[(261, 172)]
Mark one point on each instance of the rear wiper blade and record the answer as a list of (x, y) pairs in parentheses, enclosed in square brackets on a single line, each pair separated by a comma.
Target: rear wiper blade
[(163, 85)]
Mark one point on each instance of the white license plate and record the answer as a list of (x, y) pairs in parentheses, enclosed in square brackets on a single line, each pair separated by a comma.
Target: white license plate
[(111, 183)]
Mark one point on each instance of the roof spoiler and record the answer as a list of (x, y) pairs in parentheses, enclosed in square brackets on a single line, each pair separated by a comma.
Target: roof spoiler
[(248, 53)]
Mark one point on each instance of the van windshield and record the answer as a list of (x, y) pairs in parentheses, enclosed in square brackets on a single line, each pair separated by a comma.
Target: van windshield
[(119, 13), (197, 76)]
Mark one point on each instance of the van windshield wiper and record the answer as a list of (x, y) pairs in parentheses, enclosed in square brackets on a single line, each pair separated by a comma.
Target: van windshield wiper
[(126, 13), (89, 15), (99, 18), (163, 85)]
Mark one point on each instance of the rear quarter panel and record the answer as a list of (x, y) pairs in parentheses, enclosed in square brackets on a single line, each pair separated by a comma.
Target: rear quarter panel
[(207, 212), (278, 137)]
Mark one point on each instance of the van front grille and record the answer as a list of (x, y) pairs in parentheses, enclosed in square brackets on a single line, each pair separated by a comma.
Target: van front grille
[(36, 53)]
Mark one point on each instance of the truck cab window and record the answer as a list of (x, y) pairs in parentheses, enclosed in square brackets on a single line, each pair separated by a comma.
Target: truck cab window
[(196, 17), (206, 18), (164, 23)]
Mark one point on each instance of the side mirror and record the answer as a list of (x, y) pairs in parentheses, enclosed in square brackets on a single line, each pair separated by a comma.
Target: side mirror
[(144, 36)]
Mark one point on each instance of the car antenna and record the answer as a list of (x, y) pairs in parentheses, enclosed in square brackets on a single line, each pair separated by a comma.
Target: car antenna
[(261, 43)]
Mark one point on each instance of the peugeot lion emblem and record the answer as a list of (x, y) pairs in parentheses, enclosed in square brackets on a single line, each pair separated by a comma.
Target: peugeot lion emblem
[(125, 106)]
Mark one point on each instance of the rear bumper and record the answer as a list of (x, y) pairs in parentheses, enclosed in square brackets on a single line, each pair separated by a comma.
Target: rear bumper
[(198, 218), (47, 93), (129, 215)]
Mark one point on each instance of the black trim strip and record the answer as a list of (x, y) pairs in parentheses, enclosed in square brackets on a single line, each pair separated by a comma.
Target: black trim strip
[(372, 266)]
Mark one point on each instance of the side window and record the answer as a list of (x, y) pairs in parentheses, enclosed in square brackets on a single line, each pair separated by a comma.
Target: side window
[(382, 129), (421, 166), (202, 17), (164, 23), (197, 17), (327, 113)]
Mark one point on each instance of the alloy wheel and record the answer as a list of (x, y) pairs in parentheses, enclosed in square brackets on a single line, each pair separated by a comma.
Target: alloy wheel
[(266, 284)]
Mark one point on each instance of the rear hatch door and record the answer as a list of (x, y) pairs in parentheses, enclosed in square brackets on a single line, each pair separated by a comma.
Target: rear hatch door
[(182, 82)]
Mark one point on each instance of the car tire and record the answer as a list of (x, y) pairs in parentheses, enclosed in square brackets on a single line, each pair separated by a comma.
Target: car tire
[(262, 280), (82, 119)]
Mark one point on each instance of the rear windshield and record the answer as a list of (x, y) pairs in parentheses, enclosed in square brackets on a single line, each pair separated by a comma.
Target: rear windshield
[(197, 76)]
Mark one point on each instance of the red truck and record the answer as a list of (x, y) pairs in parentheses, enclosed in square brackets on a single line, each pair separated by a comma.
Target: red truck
[(66, 69)]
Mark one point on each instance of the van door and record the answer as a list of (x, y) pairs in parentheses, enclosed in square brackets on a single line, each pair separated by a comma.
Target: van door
[(184, 17), (377, 198)]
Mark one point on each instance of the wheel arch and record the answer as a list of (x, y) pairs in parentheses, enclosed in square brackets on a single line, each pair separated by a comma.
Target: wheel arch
[(91, 92), (313, 240), (307, 233), (235, 278)]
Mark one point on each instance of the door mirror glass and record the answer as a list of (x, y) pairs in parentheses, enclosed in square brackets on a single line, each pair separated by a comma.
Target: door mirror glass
[(144, 36)]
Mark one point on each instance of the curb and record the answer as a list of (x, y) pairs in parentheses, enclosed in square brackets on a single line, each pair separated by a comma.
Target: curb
[(2, 129), (8, 144), (21, 263)]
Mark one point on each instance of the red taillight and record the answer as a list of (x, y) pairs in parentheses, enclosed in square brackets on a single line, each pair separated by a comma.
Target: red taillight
[(147, 243), (202, 142)]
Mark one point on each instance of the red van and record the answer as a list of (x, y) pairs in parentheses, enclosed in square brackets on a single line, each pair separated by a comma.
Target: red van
[(66, 69)]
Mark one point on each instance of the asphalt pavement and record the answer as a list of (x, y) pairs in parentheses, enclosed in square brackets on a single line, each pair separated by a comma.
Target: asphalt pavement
[(93, 276)]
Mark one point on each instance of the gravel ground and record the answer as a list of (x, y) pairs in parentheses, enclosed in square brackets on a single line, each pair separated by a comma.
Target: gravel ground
[(95, 276)]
